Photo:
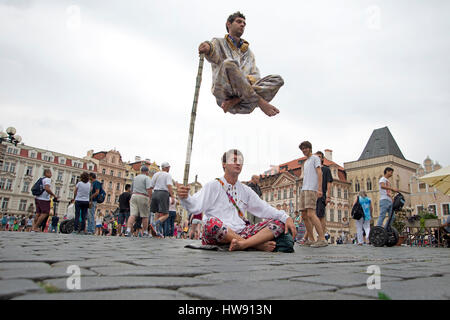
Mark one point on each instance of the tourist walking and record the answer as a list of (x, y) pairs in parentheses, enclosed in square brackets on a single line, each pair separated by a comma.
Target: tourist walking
[(96, 187), (98, 223), (54, 223), (310, 192), (42, 201), (161, 185), (140, 201), (124, 209), (81, 197), (363, 224), (169, 224)]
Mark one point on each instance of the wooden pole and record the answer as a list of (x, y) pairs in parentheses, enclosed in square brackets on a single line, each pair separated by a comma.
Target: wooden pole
[(193, 115)]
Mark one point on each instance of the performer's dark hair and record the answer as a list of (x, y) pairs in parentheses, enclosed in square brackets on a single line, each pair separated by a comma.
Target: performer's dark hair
[(233, 17), (321, 153), (305, 144)]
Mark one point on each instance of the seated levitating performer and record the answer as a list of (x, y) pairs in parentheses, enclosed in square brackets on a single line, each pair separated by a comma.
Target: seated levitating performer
[(237, 84)]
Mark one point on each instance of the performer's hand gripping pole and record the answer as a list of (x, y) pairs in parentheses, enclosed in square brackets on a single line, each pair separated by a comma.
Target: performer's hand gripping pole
[(193, 115)]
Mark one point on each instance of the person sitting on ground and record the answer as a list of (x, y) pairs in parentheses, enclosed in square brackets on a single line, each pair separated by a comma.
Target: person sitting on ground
[(224, 201)]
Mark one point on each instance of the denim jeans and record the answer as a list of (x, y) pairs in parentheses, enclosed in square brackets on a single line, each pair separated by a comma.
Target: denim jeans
[(169, 224), (385, 207), (81, 210), (91, 218)]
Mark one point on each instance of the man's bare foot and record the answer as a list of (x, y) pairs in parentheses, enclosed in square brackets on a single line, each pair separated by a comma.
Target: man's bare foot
[(267, 108), (236, 245), (268, 246), (228, 104)]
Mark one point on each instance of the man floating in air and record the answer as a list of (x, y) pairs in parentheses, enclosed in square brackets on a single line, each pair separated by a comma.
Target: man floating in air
[(237, 84)]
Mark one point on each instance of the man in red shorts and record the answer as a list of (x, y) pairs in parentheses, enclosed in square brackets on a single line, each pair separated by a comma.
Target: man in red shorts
[(223, 202)]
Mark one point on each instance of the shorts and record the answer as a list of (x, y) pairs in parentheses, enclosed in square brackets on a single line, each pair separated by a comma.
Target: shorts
[(320, 207), (160, 202), (123, 217), (307, 200), (197, 221), (215, 231), (98, 225), (139, 206), (42, 206)]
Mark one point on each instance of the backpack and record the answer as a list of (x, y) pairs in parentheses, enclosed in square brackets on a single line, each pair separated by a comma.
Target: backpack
[(357, 211), (284, 243), (38, 187), (101, 195), (399, 202)]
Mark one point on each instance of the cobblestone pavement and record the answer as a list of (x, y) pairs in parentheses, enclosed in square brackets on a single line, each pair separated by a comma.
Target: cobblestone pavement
[(35, 266)]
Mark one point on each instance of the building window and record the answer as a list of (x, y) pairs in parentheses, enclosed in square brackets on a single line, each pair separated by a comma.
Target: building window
[(33, 154), (48, 158), (57, 191), (26, 186), (279, 195), (116, 199), (60, 176), (339, 216), (419, 209), (422, 187), (357, 186), (5, 202), (22, 205), (111, 172), (369, 184), (271, 196), (2, 183), (339, 193), (103, 171), (331, 215), (110, 185), (284, 194), (445, 209), (291, 193), (119, 174), (432, 209), (12, 150), (62, 161), (90, 167), (29, 171), (108, 198), (346, 214), (8, 185), (345, 194), (118, 187)]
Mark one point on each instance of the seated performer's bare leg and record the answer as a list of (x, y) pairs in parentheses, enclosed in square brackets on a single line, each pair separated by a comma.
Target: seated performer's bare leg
[(228, 104), (260, 241), (267, 108)]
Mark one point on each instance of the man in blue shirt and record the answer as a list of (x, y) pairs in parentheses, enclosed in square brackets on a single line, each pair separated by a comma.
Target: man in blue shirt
[(95, 190)]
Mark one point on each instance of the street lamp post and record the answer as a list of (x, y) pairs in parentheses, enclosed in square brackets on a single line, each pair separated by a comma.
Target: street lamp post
[(10, 136)]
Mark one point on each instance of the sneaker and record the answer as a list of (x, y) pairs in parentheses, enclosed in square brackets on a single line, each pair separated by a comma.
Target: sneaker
[(127, 234), (306, 243), (319, 243)]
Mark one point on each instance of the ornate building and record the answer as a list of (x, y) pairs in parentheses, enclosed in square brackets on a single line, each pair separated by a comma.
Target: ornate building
[(22, 166), (281, 187), (424, 197), (112, 174), (381, 151)]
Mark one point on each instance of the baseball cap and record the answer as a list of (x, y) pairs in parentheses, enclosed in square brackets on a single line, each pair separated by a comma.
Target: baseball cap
[(165, 165)]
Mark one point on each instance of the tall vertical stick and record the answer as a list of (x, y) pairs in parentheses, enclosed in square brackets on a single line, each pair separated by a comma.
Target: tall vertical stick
[(193, 115)]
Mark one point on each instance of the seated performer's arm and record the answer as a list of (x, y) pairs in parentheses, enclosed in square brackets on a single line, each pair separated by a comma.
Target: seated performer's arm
[(202, 200)]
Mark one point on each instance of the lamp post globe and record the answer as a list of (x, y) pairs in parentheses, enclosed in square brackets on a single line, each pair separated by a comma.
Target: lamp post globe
[(18, 138), (11, 131), (3, 135)]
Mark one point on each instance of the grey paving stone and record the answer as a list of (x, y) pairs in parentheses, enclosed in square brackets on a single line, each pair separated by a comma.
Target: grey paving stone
[(433, 288), (40, 273), (325, 295), (246, 276), (11, 288), (254, 290), (108, 283), (129, 294), (22, 265), (139, 271)]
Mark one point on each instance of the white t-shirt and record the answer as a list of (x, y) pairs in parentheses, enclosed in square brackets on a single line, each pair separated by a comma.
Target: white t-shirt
[(172, 207), (45, 196), (385, 194), (161, 180), (83, 190), (310, 178)]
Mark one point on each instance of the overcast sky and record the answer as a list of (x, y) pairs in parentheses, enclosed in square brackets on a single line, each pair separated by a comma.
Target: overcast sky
[(81, 75)]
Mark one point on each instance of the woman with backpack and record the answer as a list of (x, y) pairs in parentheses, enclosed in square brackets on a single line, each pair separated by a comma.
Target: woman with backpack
[(364, 221)]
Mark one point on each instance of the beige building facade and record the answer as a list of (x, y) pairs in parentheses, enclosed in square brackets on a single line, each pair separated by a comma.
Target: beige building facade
[(364, 174), (22, 166), (426, 198)]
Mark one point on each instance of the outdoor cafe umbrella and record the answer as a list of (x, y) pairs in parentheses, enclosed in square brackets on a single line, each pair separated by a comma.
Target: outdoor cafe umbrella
[(439, 179)]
